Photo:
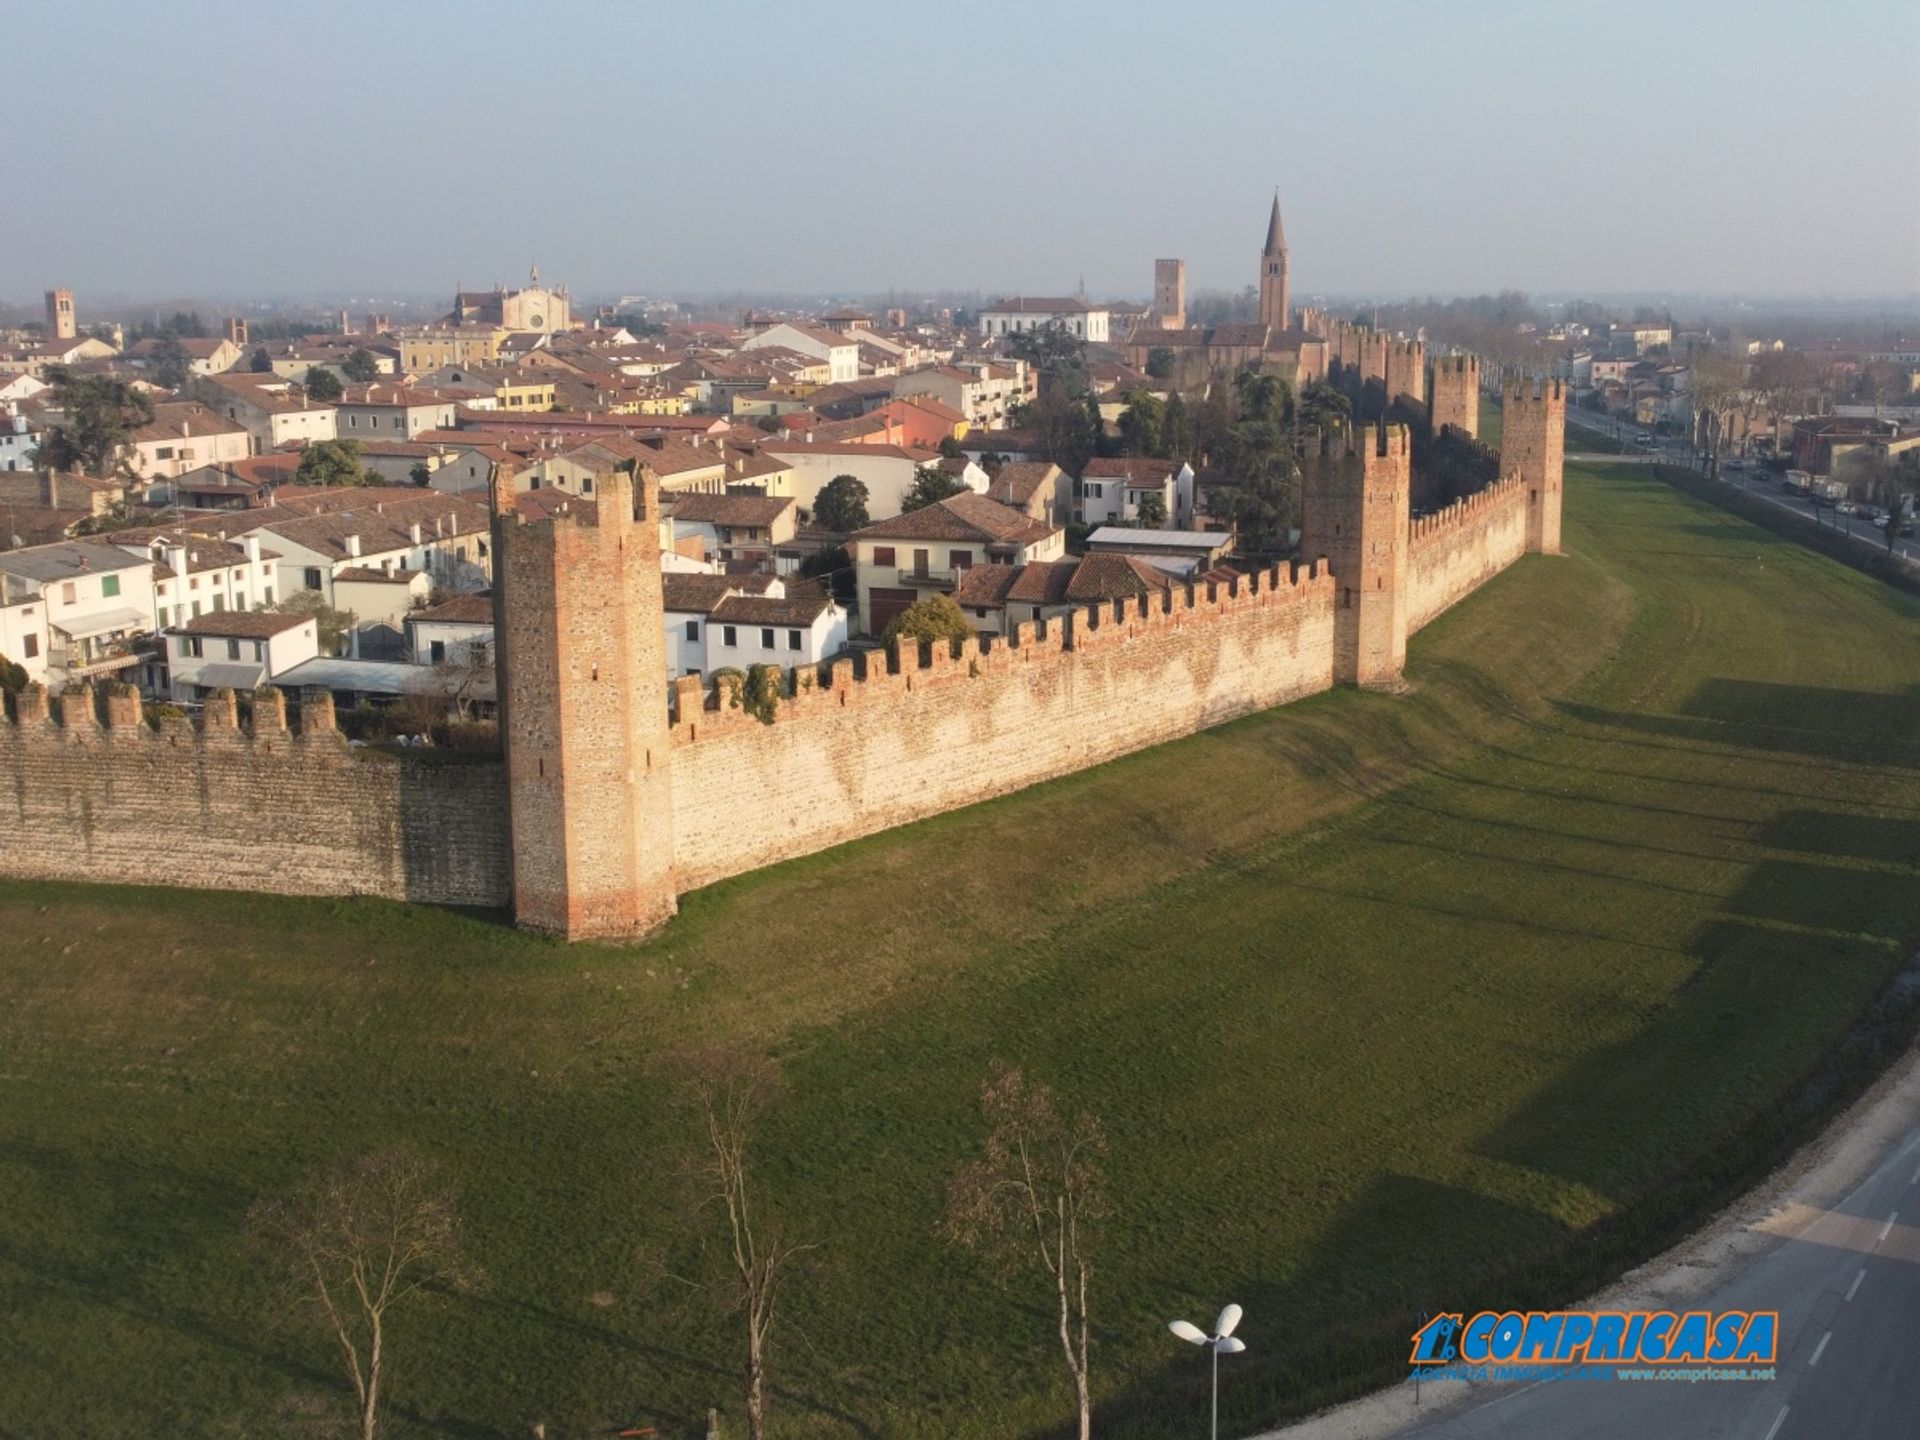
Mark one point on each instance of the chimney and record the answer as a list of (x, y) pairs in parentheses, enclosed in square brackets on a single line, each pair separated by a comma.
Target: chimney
[(415, 531), (353, 546), (252, 545)]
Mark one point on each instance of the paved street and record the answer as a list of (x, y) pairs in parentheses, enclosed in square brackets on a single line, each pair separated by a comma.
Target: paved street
[(1846, 1281), (1762, 484)]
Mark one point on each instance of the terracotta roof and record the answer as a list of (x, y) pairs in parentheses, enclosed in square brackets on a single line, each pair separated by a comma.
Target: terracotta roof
[(460, 610), (1110, 577), (960, 517), (1018, 481), (1136, 469), (755, 510), (769, 610), (698, 594), (184, 420), (373, 575), (1029, 305), (242, 624), (986, 585)]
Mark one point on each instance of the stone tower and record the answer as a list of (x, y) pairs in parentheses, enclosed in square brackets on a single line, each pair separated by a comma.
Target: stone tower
[(581, 654), (61, 324), (1273, 272), (1354, 495), (1456, 394), (1170, 294), (1406, 377), (1533, 444)]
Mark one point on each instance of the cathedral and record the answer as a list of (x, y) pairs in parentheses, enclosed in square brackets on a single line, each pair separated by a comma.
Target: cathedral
[(535, 309)]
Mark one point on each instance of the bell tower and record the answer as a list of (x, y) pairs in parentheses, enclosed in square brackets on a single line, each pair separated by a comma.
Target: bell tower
[(1273, 272)]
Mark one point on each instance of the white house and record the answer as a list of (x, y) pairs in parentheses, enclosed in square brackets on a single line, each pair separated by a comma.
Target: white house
[(74, 610), (274, 412), (458, 630), (446, 537), (236, 650), (393, 412), (183, 436), (886, 470), (1112, 490), (717, 622), (985, 393), (840, 352), (1079, 318)]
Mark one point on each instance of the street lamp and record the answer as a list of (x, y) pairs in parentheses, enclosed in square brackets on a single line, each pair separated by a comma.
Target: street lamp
[(1221, 1342)]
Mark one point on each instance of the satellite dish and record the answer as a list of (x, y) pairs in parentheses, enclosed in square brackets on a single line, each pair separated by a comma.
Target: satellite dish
[(1229, 1318), (1192, 1334)]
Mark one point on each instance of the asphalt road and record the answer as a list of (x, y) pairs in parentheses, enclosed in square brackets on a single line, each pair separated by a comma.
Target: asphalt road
[(1762, 484), (1846, 1282)]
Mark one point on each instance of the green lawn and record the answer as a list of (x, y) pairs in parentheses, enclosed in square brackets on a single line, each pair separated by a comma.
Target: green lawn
[(1387, 1003)]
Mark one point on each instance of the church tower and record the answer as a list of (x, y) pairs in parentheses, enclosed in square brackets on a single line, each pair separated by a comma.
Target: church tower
[(1273, 273)]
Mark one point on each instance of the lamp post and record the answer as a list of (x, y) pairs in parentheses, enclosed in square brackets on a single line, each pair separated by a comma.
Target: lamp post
[(1221, 1342)]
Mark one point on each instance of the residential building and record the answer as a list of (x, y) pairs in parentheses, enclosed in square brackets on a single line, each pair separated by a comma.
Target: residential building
[(185, 435), (1185, 552), (929, 550), (717, 622), (206, 355), (274, 411), (237, 650), (996, 598), (1112, 489), (730, 528), (386, 411), (1078, 317), (76, 610), (984, 392), (840, 353), (459, 630), (445, 537), (1037, 488)]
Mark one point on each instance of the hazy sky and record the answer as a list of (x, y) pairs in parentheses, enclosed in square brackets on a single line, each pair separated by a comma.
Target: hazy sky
[(271, 147)]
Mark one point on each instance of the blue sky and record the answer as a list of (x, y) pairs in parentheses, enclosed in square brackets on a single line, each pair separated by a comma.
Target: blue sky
[(216, 149)]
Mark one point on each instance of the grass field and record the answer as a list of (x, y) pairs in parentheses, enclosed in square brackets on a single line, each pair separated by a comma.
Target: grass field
[(1471, 995)]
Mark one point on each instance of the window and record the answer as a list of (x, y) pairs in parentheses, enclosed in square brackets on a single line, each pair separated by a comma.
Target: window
[(312, 577), (766, 639), (793, 639), (219, 603), (190, 645), (436, 651), (693, 629), (259, 649), (233, 649), (166, 616), (883, 555), (196, 615), (193, 582), (30, 645), (353, 422), (266, 596), (960, 559), (727, 636), (68, 592), (109, 585), (480, 549), (163, 452), (586, 485)]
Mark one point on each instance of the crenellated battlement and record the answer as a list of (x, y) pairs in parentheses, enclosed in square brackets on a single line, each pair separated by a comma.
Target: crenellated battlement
[(1467, 511), (1533, 444), (117, 715), (702, 711)]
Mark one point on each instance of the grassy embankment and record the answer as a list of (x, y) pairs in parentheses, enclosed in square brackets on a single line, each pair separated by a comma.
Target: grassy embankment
[(1472, 995)]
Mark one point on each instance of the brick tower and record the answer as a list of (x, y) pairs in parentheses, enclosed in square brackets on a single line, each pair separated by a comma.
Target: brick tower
[(1456, 394), (1170, 294), (1273, 272), (61, 324), (1354, 495), (1406, 377), (582, 658), (1533, 442)]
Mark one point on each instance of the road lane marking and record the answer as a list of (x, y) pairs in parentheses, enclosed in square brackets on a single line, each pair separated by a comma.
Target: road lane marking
[(1778, 1421), (1819, 1349), (1856, 1284), (1887, 1229)]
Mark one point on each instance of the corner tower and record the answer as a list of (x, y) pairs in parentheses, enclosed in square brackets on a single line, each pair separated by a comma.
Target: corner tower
[(1455, 394), (579, 621), (1354, 495), (1533, 444), (1273, 272)]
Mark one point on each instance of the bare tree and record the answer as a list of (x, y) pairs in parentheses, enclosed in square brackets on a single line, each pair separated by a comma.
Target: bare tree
[(1035, 1198), (353, 1243), (730, 1096)]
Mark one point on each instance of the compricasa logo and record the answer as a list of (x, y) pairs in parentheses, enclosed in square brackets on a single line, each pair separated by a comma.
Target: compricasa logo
[(1585, 1337)]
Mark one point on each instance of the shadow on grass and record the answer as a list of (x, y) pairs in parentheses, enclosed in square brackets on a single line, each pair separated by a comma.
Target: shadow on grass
[(1850, 726)]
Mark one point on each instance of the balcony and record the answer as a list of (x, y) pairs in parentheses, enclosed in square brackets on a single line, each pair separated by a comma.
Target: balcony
[(935, 579), (101, 657)]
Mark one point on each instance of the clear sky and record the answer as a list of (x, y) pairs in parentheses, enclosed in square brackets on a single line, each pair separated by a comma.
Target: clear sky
[(277, 148)]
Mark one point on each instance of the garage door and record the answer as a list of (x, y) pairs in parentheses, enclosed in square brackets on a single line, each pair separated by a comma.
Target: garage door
[(885, 605)]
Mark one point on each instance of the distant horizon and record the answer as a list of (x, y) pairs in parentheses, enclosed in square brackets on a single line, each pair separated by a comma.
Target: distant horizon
[(1647, 150)]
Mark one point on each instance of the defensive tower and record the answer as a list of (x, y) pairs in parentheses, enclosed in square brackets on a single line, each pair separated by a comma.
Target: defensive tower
[(1170, 294), (1406, 377), (1273, 272), (61, 324), (579, 624), (1354, 494), (1533, 444), (1456, 394)]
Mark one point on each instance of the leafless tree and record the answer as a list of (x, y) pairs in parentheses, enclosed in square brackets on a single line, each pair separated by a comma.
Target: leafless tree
[(730, 1096), (1035, 1199), (353, 1243)]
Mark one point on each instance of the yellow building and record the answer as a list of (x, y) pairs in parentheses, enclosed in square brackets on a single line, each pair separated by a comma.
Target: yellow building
[(436, 349)]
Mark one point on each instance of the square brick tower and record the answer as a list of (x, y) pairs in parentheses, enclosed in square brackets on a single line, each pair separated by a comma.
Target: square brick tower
[(581, 648), (1406, 377), (1456, 394), (1533, 443), (1170, 294), (1354, 495), (61, 322)]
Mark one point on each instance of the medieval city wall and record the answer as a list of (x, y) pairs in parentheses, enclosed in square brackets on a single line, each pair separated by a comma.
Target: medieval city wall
[(860, 755), (1454, 552), (256, 808)]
